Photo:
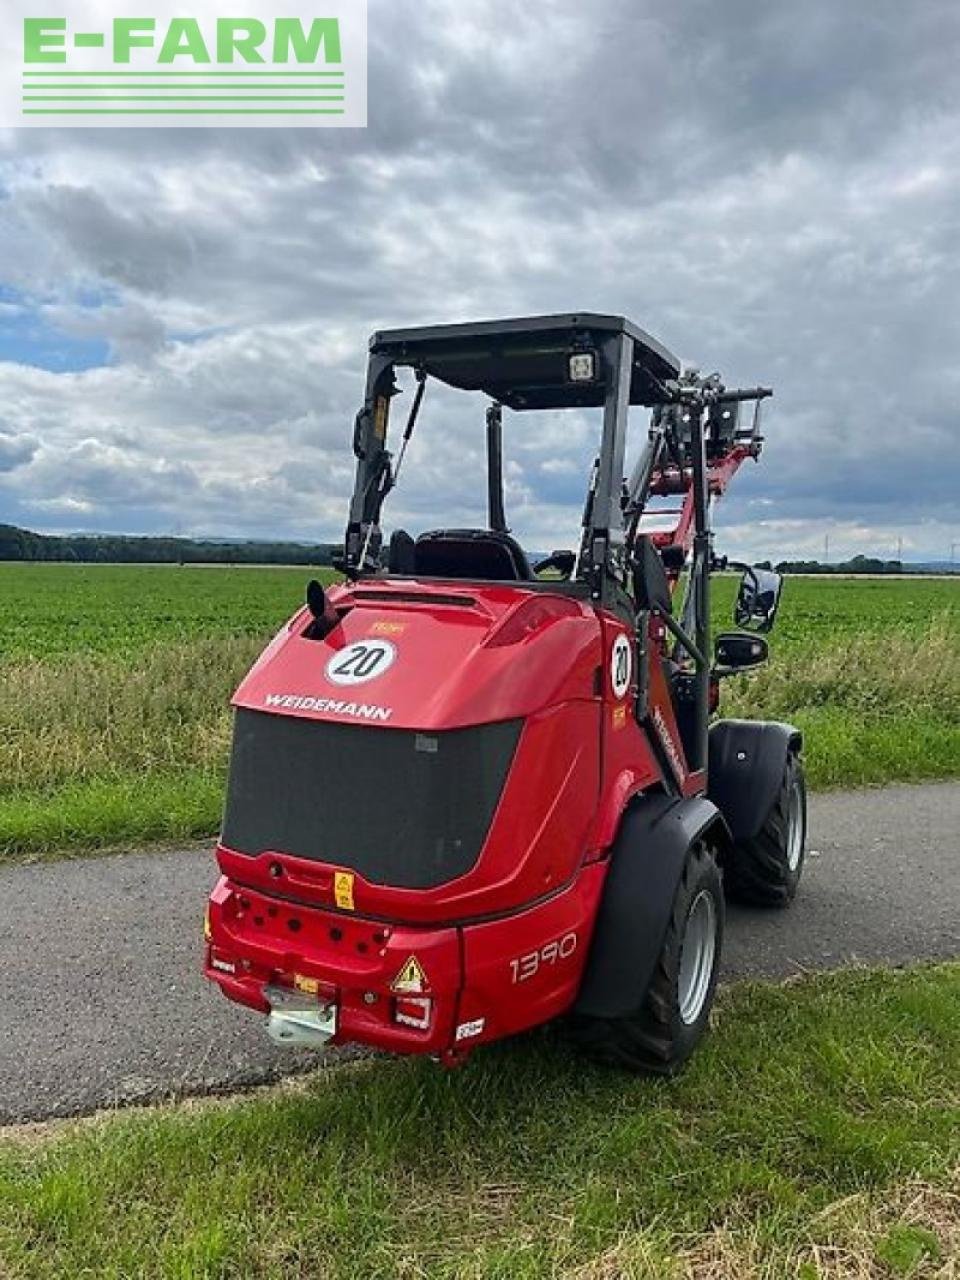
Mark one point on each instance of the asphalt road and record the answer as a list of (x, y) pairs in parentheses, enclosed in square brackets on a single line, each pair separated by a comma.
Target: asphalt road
[(102, 1002)]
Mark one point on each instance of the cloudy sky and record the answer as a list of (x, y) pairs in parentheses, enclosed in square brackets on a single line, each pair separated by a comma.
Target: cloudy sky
[(772, 189)]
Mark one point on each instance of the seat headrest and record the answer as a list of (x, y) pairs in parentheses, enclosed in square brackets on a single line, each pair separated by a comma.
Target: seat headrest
[(402, 553), (471, 553)]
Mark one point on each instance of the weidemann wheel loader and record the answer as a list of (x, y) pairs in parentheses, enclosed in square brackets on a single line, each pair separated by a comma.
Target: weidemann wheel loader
[(467, 795)]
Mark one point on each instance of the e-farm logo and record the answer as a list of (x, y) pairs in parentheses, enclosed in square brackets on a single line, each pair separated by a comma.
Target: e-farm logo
[(289, 64)]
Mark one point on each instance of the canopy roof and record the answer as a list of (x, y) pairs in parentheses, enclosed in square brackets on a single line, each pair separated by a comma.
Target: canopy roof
[(523, 363)]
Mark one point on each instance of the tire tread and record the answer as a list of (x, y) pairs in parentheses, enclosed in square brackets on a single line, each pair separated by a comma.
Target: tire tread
[(757, 873), (646, 1040)]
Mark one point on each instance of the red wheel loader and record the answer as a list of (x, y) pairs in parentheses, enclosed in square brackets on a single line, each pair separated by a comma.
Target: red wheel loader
[(468, 795)]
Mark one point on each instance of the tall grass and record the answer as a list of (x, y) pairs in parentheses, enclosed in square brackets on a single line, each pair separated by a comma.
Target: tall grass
[(98, 748), (874, 707), (72, 718), (885, 674)]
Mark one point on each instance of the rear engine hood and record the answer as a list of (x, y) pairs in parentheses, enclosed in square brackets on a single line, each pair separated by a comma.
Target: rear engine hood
[(429, 656)]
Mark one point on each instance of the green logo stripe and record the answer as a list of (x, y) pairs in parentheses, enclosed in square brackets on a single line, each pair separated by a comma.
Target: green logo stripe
[(181, 97), (150, 90), (110, 85), (183, 111), (132, 72)]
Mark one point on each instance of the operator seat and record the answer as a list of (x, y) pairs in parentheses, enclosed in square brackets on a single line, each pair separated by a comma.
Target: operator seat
[(471, 553)]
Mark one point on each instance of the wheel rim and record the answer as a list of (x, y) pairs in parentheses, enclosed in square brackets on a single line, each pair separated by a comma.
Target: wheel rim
[(795, 827), (697, 956)]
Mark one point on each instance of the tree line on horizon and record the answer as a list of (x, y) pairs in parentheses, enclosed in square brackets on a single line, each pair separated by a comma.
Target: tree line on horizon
[(858, 564), (23, 544)]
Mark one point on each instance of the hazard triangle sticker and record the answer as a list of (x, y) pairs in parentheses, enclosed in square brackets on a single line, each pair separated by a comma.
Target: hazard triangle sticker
[(411, 977)]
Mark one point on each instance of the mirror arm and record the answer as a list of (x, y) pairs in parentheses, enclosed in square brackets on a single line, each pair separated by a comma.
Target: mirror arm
[(687, 641)]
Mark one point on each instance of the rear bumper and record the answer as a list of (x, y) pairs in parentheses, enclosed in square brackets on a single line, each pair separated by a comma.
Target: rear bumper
[(483, 980), (256, 941)]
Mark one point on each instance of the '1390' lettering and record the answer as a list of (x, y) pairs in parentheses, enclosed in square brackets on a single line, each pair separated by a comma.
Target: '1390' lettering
[(527, 966)]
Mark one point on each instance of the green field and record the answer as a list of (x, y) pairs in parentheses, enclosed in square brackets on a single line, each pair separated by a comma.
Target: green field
[(114, 684), (815, 1136), (63, 611)]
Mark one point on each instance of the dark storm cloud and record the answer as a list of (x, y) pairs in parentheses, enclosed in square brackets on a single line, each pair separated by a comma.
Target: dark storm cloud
[(15, 450), (772, 189), (144, 253)]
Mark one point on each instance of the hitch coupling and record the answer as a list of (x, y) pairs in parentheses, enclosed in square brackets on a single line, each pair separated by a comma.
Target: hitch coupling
[(297, 1020)]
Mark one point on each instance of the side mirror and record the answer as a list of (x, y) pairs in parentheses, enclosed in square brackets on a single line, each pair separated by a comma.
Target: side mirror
[(758, 599), (737, 652)]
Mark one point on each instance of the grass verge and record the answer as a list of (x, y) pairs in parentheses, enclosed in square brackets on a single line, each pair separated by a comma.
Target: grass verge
[(816, 1134), (109, 812)]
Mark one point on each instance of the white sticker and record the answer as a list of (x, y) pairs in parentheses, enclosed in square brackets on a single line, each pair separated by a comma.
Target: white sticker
[(621, 665), (467, 1030), (361, 661)]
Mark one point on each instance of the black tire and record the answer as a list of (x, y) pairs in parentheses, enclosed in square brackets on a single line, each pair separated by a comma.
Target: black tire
[(657, 1038), (765, 871)]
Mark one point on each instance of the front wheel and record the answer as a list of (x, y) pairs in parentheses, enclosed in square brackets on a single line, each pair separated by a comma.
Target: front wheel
[(660, 1036), (765, 871)]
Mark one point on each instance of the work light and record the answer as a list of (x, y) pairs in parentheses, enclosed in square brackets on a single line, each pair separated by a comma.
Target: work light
[(582, 366)]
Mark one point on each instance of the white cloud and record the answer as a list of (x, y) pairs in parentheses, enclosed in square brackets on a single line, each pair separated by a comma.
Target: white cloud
[(773, 198)]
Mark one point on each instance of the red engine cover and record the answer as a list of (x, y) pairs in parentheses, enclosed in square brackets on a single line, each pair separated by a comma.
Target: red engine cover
[(507, 939), (435, 656)]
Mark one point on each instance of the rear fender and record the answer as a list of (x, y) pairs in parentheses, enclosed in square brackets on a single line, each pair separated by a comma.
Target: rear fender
[(646, 863), (747, 760)]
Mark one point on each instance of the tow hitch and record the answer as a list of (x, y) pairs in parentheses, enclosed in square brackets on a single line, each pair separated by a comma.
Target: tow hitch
[(298, 1019)]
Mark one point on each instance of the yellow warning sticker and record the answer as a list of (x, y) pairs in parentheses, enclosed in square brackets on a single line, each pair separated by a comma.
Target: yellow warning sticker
[(411, 977), (380, 410), (620, 716), (309, 986), (343, 890)]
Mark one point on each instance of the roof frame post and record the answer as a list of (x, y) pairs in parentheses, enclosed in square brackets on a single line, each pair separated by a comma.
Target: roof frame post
[(369, 444), (606, 540), (700, 585), (495, 511)]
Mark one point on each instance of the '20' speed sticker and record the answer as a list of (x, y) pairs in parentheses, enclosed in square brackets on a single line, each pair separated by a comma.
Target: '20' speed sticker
[(360, 661), (621, 665)]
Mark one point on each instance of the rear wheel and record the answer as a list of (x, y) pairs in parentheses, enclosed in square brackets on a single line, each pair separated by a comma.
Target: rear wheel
[(660, 1036), (766, 870)]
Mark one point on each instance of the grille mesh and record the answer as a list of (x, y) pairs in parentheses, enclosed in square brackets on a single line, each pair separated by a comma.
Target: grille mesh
[(399, 807)]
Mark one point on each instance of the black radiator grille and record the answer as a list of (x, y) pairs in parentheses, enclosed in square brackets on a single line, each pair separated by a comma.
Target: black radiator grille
[(399, 807)]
